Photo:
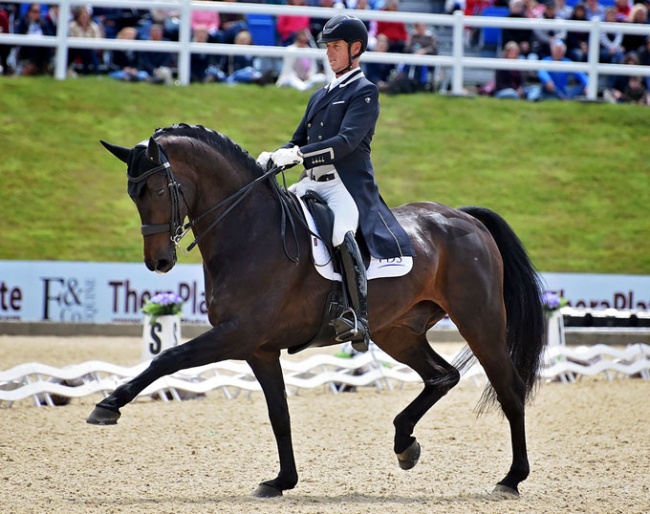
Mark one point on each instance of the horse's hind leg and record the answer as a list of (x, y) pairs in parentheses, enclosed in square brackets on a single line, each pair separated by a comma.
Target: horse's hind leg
[(486, 337), (439, 377)]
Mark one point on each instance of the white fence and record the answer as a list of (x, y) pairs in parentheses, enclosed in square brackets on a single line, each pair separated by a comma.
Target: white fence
[(458, 62), (47, 385)]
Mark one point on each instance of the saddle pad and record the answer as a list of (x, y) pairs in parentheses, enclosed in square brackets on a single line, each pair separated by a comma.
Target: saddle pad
[(379, 268)]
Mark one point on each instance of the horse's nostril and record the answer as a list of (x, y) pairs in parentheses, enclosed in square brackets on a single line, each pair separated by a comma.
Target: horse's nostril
[(164, 265)]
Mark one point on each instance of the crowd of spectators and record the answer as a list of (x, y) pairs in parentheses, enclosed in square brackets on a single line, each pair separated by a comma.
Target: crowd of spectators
[(209, 26), (557, 44)]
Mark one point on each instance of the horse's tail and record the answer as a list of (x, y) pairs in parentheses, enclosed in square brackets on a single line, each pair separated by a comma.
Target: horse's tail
[(522, 291)]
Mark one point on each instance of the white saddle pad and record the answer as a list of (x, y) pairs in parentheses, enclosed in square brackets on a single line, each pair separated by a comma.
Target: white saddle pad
[(379, 268)]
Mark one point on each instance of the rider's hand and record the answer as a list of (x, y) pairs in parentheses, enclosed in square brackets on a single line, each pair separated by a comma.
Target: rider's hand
[(263, 159), (287, 156)]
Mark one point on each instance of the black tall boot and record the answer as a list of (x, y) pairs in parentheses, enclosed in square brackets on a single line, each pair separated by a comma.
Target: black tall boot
[(352, 325)]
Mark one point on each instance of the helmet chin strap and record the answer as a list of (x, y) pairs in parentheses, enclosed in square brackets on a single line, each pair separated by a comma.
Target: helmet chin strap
[(351, 58)]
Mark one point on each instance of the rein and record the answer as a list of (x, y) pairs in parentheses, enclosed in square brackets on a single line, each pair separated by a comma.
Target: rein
[(178, 230)]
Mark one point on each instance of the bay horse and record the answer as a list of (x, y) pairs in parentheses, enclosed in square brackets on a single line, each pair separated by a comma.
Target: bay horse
[(264, 294)]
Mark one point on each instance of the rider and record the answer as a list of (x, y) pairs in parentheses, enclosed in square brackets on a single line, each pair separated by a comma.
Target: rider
[(333, 142)]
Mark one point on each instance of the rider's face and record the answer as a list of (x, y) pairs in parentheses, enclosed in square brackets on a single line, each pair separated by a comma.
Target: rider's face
[(337, 55)]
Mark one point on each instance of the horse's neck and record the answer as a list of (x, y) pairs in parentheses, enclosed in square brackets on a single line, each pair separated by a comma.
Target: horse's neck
[(234, 214)]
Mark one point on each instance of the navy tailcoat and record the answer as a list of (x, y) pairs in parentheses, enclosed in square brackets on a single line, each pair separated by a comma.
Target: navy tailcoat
[(337, 130)]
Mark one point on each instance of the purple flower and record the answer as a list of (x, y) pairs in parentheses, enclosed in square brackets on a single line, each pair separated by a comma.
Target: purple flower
[(552, 301), (163, 304), (167, 299)]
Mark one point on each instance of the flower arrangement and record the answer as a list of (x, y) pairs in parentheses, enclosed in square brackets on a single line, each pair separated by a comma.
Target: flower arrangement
[(163, 304), (553, 302)]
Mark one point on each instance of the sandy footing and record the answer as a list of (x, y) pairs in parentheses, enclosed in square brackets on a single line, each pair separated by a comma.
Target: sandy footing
[(589, 448)]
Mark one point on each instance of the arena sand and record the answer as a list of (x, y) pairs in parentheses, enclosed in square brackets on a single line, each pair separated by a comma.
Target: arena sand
[(589, 448)]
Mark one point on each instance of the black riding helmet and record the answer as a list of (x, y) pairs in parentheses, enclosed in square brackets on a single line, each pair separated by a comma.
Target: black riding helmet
[(345, 28)]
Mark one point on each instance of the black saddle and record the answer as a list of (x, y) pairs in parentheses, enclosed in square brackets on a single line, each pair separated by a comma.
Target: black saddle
[(335, 304)]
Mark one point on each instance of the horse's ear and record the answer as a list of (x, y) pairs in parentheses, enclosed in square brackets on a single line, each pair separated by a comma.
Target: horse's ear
[(120, 152), (153, 151)]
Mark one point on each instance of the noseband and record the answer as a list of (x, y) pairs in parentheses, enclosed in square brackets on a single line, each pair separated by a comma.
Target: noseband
[(175, 226)]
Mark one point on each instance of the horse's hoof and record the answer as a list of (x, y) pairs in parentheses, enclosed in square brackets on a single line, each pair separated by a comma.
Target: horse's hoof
[(103, 416), (266, 491), (409, 457), (505, 491)]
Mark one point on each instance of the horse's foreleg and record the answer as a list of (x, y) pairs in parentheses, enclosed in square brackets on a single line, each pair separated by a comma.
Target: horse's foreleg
[(201, 350), (439, 377), (268, 371)]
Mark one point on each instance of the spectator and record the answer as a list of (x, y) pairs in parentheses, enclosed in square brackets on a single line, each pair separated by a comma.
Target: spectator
[(379, 73), (34, 60), (375, 5), (556, 84), (644, 60), (316, 24), (84, 60), (208, 20), (634, 42), (594, 9), (5, 50), (299, 72), (395, 31), (288, 26), (509, 83), (203, 65), (623, 9), (371, 25), (114, 20), (628, 88), (231, 24), (242, 68), (542, 38), (611, 43), (157, 64), (533, 9), (123, 64), (520, 36), (167, 18), (577, 42), (421, 42), (562, 10)]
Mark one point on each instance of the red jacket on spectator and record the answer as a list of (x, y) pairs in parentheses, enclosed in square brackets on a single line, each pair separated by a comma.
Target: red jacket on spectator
[(4, 22), (393, 30)]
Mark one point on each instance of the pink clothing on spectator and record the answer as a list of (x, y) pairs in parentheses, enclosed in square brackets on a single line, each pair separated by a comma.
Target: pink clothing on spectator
[(289, 25), (208, 19)]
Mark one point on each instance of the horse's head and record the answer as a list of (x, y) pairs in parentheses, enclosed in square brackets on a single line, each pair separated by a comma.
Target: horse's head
[(156, 193)]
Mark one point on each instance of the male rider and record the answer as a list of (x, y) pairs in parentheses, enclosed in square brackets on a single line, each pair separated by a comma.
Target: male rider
[(333, 142)]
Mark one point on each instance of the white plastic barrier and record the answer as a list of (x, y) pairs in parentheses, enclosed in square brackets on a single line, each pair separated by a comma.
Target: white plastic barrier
[(44, 383), (48, 385)]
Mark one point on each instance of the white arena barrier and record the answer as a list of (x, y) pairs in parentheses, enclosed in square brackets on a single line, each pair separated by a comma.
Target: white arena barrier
[(47, 385)]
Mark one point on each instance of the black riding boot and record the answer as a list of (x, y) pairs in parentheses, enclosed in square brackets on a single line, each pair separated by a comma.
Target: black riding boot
[(352, 325)]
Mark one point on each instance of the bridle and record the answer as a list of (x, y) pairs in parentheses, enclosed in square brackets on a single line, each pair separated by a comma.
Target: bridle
[(175, 226), (178, 230)]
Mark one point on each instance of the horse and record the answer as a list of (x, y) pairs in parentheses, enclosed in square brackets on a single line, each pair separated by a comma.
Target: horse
[(264, 294)]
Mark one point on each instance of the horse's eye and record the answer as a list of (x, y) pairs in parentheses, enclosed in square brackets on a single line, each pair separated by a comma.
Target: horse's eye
[(161, 191)]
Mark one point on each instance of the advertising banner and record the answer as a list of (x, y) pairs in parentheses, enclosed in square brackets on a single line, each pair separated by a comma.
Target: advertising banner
[(92, 292)]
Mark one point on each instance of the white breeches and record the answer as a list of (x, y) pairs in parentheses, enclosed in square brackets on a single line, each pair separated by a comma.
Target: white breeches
[(346, 214)]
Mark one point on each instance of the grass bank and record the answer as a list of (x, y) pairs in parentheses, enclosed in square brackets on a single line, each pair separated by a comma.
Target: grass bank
[(571, 178)]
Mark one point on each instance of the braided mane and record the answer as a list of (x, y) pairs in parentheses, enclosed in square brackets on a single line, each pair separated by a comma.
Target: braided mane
[(221, 143)]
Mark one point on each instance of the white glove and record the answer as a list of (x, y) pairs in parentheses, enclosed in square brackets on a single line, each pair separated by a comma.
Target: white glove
[(263, 159), (287, 156)]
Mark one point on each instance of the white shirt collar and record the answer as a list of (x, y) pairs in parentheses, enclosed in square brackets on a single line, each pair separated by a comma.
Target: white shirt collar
[(339, 80)]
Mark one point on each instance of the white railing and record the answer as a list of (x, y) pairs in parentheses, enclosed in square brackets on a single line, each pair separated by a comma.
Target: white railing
[(43, 384), (457, 61)]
